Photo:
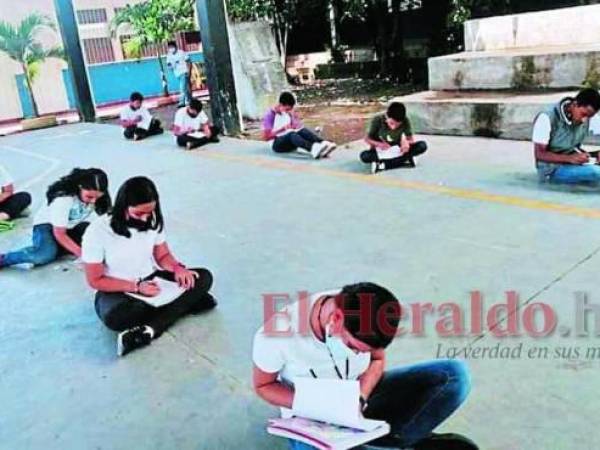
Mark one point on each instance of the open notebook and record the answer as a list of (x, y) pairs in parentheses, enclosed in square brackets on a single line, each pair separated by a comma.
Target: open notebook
[(169, 292), (327, 416)]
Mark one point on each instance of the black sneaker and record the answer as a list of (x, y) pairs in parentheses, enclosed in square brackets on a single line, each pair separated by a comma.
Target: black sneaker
[(205, 303), (134, 338), (449, 441)]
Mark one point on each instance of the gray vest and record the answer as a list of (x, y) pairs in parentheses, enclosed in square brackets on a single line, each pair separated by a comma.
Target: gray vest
[(564, 137)]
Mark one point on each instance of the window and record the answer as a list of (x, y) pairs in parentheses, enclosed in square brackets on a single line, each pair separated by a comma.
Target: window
[(89, 16), (98, 50)]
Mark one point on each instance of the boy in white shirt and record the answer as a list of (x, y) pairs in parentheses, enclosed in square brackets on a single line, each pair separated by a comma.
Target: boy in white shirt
[(192, 127), (342, 334), (181, 65), (12, 203), (137, 121)]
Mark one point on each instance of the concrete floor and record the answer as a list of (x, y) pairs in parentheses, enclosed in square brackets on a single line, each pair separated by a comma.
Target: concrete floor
[(471, 217)]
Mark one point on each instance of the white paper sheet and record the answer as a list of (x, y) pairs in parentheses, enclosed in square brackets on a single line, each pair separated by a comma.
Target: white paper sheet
[(145, 123), (197, 135), (169, 292), (332, 401), (390, 153)]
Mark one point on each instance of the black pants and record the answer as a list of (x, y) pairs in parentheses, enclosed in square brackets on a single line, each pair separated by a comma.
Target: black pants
[(120, 312), (15, 204), (290, 142), (154, 129), (183, 140), (416, 149)]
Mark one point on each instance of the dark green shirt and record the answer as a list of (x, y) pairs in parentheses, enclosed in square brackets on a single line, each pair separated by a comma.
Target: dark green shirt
[(379, 130)]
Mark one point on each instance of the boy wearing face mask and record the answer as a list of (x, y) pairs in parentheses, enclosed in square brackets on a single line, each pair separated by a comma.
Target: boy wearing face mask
[(192, 127), (414, 400), (137, 121), (558, 135), (181, 65)]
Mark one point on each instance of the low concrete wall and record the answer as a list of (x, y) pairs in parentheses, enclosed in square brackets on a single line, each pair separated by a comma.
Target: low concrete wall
[(489, 115), (566, 26), (258, 71), (515, 70)]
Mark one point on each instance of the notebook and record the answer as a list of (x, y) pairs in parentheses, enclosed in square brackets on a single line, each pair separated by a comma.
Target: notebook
[(322, 435), (169, 292), (197, 135), (317, 423)]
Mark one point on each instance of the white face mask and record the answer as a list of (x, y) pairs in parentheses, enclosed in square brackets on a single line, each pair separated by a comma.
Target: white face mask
[(336, 346)]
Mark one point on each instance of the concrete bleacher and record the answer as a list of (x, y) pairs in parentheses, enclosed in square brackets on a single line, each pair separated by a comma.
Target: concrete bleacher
[(512, 67)]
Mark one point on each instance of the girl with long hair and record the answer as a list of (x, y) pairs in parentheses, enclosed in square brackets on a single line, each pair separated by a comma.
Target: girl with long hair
[(127, 260), (71, 203)]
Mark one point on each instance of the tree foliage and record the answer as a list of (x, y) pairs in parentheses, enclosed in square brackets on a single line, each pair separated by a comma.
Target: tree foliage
[(21, 44), (154, 22)]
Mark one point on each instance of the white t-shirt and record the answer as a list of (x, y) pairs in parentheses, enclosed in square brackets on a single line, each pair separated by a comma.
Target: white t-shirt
[(124, 258), (129, 114), (184, 120), (65, 212), (178, 62), (5, 178), (296, 355), (282, 120)]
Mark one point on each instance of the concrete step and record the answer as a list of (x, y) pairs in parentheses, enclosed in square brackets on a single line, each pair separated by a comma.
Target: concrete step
[(553, 67), (504, 114)]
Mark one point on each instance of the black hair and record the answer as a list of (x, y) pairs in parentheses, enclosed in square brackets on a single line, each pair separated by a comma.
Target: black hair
[(195, 104), (71, 185), (371, 313), (135, 191), (589, 97), (287, 98), (136, 96), (172, 44), (397, 111)]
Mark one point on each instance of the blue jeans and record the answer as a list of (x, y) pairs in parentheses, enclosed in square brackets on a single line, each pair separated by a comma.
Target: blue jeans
[(415, 400), (290, 142), (185, 90), (44, 248), (569, 173)]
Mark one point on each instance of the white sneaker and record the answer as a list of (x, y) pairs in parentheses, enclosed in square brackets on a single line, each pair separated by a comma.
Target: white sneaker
[(329, 147), (317, 149)]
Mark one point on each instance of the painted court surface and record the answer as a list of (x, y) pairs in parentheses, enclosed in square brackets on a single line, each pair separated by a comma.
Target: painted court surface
[(471, 217)]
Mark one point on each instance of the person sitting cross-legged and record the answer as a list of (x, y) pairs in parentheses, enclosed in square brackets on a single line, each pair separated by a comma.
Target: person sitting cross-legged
[(192, 127), (558, 135), (391, 139), (12, 204), (282, 126), (137, 121), (343, 335)]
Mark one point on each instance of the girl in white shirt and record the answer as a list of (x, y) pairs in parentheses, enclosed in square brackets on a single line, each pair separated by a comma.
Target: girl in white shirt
[(127, 253), (59, 225)]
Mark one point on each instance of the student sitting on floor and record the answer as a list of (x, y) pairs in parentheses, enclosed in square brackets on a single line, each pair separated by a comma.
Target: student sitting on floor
[(192, 126), (391, 139), (329, 339), (282, 126), (59, 226), (120, 252), (12, 203), (137, 120), (558, 134)]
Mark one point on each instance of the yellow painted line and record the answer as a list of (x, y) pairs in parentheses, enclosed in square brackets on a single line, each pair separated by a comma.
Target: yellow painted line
[(467, 194)]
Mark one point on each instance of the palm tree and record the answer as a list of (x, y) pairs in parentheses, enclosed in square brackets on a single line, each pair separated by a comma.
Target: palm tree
[(20, 43)]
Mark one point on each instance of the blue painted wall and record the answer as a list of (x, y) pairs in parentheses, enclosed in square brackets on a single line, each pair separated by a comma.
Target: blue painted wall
[(114, 82)]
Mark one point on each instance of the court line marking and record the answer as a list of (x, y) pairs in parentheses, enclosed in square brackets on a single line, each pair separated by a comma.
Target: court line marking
[(462, 193), (54, 163)]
